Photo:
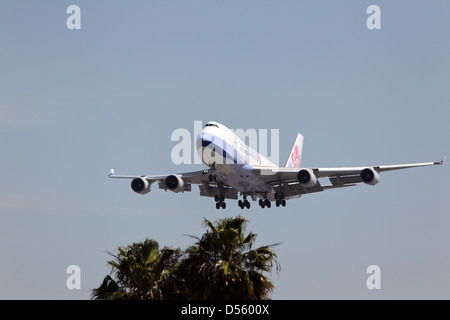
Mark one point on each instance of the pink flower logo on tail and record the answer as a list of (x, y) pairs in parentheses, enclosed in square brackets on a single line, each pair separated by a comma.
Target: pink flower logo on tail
[(295, 157)]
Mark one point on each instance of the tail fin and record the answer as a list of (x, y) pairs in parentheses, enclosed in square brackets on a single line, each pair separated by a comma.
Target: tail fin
[(296, 154)]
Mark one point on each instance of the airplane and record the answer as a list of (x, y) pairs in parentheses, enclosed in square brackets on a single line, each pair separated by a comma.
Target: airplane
[(236, 169)]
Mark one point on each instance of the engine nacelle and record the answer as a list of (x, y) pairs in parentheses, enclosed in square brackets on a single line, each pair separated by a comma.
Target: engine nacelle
[(174, 183), (140, 185), (307, 178), (370, 176)]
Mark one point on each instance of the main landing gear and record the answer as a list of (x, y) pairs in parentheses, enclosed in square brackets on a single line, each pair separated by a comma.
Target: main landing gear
[(220, 198), (244, 204), (220, 201), (279, 199), (264, 203)]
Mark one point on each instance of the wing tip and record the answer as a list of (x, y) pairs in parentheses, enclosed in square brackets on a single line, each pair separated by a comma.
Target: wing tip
[(111, 173), (441, 162)]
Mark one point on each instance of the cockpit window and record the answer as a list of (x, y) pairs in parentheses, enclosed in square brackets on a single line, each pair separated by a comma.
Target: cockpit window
[(211, 125)]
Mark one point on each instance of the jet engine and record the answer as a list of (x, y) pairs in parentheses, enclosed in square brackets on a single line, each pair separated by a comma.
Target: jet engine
[(307, 178), (174, 183), (140, 185), (370, 176)]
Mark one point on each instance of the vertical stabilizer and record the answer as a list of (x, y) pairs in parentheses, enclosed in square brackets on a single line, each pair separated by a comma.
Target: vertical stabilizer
[(296, 154)]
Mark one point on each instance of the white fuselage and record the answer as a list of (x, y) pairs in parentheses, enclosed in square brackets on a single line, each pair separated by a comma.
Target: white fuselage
[(220, 148)]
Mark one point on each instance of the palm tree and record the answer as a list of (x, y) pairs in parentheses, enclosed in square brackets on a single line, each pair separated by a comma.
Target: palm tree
[(223, 265), (142, 272)]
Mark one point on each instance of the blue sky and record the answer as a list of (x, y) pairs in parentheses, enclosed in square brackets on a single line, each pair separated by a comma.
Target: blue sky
[(75, 103)]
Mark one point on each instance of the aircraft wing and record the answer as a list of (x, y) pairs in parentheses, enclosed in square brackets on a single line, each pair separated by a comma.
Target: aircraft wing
[(282, 179), (286, 178), (191, 177), (207, 187)]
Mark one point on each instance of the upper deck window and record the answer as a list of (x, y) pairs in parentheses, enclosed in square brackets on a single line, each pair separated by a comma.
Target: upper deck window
[(211, 125)]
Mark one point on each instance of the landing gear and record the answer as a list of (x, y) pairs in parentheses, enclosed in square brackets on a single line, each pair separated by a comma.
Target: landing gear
[(265, 203), (279, 199), (221, 203), (244, 204), (220, 197), (279, 195), (281, 202)]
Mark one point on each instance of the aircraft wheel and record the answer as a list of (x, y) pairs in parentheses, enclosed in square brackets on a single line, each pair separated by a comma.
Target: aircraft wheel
[(217, 205), (267, 203), (247, 204), (283, 203), (279, 195), (277, 203), (224, 205)]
